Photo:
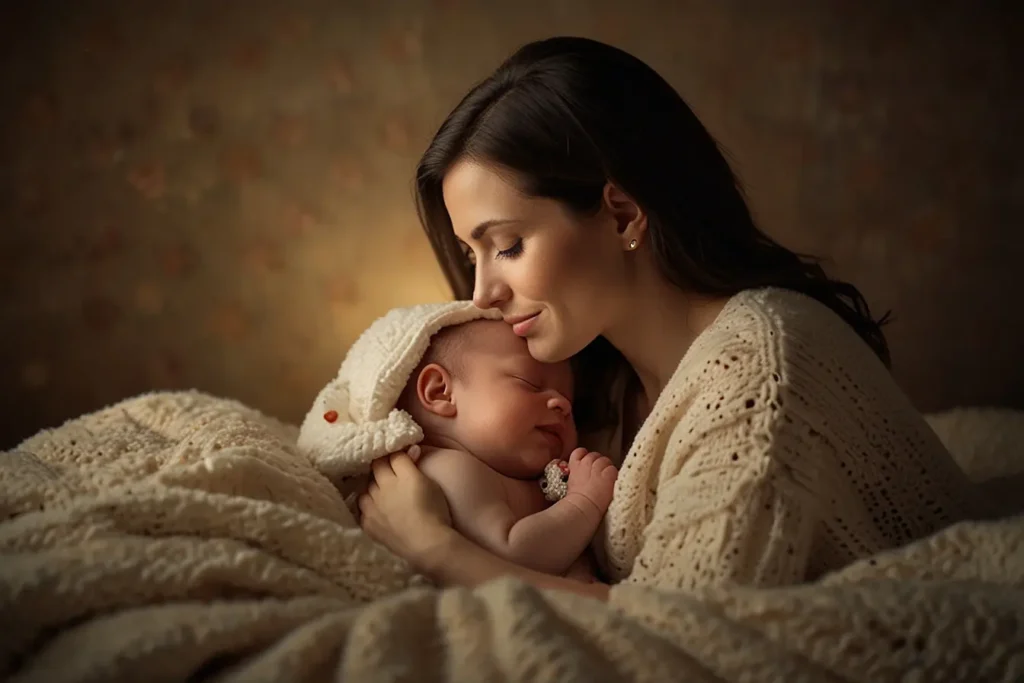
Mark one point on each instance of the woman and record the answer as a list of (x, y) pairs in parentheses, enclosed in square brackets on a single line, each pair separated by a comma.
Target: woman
[(746, 395)]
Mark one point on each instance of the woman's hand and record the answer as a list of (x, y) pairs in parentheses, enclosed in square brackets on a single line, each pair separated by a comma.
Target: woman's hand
[(407, 512), (404, 510)]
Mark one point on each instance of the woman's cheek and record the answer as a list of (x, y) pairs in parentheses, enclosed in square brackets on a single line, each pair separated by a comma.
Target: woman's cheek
[(543, 282)]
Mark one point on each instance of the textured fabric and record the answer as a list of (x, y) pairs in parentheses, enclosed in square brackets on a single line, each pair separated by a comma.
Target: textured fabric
[(180, 536), (354, 419), (986, 441), (781, 449)]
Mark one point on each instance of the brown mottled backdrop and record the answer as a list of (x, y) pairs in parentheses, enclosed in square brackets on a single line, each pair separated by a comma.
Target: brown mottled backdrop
[(216, 194)]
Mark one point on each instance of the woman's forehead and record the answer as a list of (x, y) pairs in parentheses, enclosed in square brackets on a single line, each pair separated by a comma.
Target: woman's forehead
[(476, 194)]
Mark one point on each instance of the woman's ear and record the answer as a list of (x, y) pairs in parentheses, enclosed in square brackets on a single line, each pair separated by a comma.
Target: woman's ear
[(434, 391), (630, 219)]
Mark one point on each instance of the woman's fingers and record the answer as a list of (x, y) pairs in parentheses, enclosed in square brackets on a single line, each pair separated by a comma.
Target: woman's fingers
[(403, 464), (382, 469), (390, 465), (365, 504)]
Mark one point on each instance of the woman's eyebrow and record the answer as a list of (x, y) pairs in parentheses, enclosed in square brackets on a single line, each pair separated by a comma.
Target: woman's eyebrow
[(479, 230)]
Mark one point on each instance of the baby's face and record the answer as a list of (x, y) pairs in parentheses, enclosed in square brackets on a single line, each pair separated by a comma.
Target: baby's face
[(513, 412)]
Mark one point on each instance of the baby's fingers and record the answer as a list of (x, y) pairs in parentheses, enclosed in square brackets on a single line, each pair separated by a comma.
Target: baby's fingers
[(576, 456)]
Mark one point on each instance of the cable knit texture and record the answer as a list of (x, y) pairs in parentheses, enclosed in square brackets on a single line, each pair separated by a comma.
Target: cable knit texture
[(780, 450), (178, 536)]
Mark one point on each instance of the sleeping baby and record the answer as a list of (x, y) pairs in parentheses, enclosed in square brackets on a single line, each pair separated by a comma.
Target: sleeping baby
[(493, 418), (494, 426)]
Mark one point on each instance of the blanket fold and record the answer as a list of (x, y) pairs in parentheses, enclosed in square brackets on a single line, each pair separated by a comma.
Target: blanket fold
[(179, 536)]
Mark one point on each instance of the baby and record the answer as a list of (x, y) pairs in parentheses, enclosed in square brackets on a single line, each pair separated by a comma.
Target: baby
[(492, 419)]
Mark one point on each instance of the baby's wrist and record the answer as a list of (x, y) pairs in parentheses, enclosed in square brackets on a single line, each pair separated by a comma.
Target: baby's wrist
[(585, 505)]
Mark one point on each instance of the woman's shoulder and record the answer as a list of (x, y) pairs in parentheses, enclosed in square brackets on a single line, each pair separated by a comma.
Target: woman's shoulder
[(790, 326), (729, 366), (774, 341), (742, 344), (775, 310), (804, 355)]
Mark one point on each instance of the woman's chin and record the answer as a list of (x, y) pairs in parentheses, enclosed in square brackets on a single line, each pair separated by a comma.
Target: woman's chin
[(546, 350)]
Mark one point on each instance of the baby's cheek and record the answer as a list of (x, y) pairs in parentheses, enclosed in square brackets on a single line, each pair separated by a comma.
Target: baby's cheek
[(572, 438), (496, 431)]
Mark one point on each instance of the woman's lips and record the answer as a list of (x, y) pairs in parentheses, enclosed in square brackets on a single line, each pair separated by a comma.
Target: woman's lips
[(523, 327)]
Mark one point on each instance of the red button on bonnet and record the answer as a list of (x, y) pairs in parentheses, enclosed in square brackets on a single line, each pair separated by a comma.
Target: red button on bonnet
[(331, 415)]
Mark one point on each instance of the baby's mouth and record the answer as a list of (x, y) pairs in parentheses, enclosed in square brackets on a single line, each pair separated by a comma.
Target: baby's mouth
[(554, 437)]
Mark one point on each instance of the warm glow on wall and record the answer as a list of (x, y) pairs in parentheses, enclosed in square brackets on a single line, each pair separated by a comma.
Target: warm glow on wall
[(218, 195)]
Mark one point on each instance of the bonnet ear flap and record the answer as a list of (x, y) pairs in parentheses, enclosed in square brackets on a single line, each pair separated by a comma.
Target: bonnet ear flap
[(338, 446)]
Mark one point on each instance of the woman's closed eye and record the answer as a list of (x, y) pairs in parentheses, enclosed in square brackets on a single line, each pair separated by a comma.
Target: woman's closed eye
[(512, 252)]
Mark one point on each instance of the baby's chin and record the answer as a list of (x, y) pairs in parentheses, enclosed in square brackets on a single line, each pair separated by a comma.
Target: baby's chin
[(526, 464)]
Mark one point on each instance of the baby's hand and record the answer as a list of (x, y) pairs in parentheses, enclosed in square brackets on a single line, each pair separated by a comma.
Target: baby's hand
[(592, 476)]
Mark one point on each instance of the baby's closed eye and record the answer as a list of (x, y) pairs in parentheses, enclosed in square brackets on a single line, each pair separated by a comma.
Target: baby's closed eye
[(528, 383)]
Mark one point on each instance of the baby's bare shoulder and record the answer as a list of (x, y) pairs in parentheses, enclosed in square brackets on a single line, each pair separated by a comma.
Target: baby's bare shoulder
[(432, 457), (453, 467), (469, 486)]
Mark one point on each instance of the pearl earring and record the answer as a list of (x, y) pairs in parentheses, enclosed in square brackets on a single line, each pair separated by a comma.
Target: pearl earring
[(632, 245)]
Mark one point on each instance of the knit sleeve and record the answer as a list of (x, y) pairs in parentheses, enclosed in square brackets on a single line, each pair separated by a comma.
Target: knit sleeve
[(743, 522)]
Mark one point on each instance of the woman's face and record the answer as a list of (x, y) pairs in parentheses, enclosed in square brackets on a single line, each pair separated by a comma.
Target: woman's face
[(555, 277)]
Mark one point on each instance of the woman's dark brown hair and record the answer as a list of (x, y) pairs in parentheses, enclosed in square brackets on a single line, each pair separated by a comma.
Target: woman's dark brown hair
[(566, 116)]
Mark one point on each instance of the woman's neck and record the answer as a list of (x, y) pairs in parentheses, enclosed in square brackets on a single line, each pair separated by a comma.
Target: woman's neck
[(658, 326)]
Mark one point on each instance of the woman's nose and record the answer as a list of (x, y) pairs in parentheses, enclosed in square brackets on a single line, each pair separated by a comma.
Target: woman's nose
[(487, 291), (560, 404)]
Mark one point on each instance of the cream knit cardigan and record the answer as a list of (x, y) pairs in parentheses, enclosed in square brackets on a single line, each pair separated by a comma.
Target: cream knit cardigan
[(180, 536), (781, 449)]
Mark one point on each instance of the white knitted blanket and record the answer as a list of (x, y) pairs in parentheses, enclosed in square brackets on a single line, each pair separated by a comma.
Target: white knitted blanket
[(180, 536)]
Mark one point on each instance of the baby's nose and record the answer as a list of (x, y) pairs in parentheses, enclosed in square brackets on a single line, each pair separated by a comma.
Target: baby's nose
[(561, 404)]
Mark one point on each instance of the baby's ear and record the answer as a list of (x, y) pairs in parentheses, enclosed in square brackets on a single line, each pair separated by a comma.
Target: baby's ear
[(434, 391)]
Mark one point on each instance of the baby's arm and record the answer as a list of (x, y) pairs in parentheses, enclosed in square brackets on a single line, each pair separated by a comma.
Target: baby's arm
[(547, 541)]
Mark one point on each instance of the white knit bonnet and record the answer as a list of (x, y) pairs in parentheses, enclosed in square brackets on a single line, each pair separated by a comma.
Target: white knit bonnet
[(354, 420)]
